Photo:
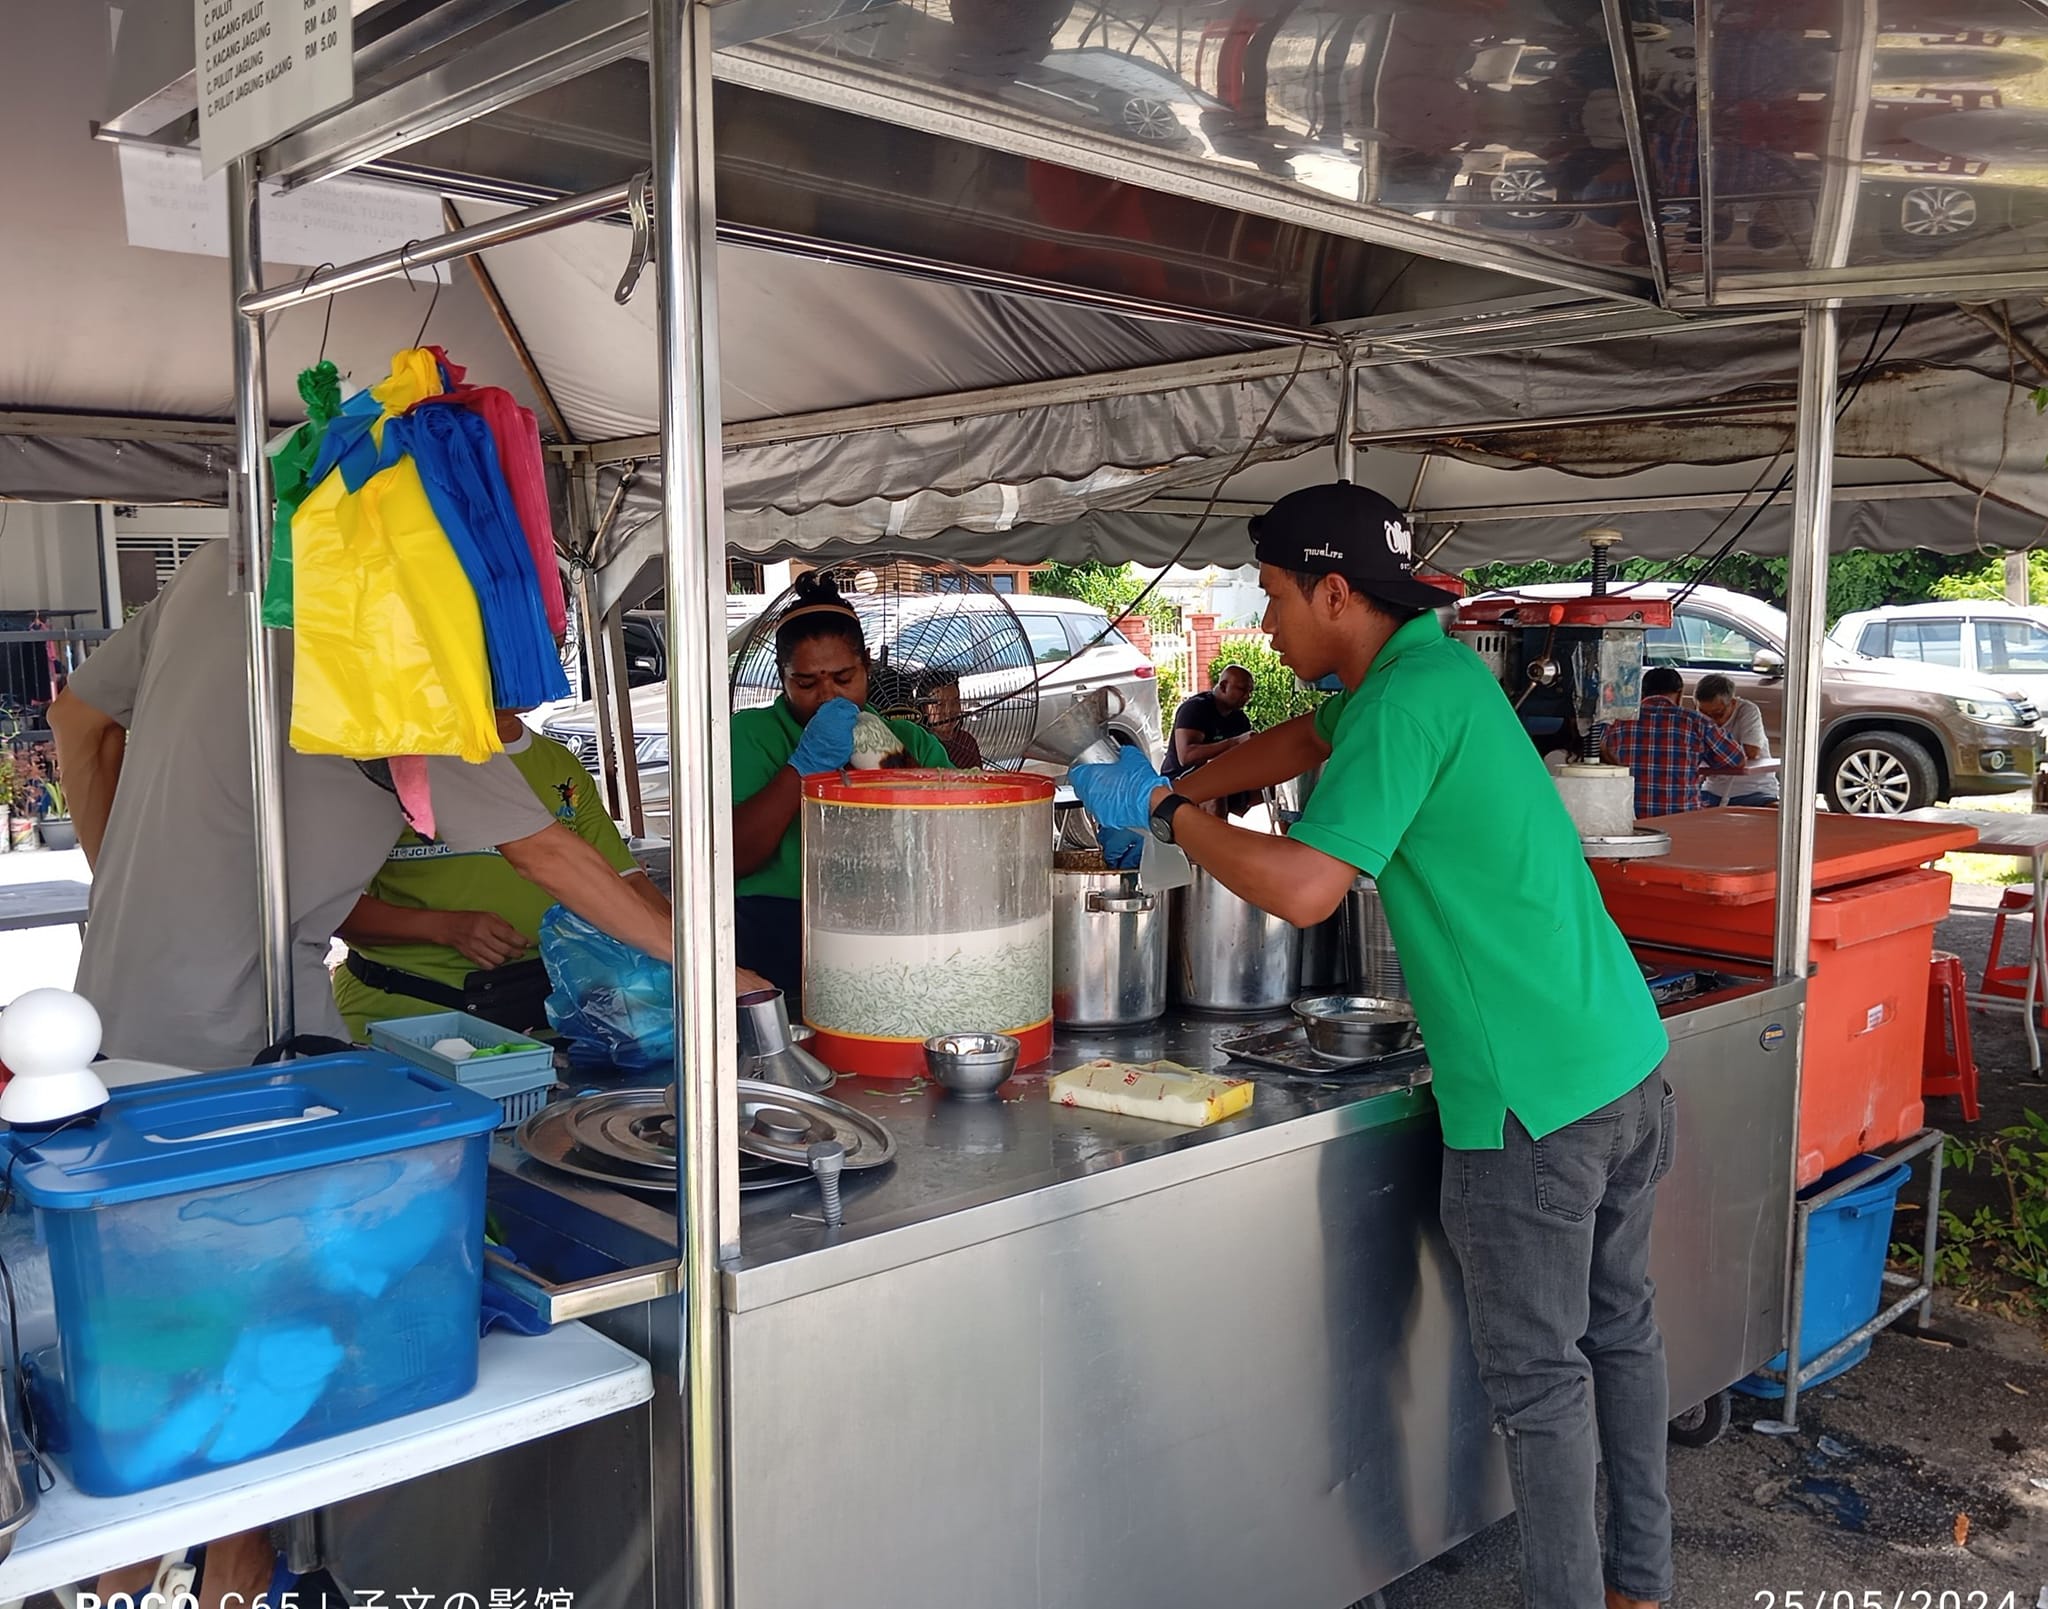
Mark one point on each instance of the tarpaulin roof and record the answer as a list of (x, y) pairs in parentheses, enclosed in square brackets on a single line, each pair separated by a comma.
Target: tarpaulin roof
[(1057, 430)]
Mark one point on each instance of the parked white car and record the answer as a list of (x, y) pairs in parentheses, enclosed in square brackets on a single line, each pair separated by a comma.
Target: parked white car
[(2000, 642), (1061, 649)]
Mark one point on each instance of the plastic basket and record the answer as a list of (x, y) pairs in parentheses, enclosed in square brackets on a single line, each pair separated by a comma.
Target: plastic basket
[(518, 1081)]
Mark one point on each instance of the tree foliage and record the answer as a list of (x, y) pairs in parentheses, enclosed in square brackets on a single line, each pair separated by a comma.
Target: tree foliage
[(1112, 588), (1276, 695), (1857, 580)]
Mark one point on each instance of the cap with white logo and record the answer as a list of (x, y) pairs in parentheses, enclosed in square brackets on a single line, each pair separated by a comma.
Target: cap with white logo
[(1347, 530)]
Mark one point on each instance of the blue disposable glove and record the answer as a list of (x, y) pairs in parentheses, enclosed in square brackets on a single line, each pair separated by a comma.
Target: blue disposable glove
[(1119, 795), (1120, 849), (827, 743)]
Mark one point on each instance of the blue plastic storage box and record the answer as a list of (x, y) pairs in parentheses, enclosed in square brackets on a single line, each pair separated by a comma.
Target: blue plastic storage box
[(1846, 1243), (244, 1262)]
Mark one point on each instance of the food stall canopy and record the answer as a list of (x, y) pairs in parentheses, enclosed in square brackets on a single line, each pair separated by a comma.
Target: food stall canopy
[(873, 399)]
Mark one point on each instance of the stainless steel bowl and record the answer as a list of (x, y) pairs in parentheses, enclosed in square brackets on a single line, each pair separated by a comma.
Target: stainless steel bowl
[(973, 1065), (1353, 1027)]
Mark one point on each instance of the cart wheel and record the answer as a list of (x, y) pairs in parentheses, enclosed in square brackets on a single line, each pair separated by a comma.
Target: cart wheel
[(1702, 1426)]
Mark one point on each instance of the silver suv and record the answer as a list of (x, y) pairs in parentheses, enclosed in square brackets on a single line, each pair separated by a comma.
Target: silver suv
[(1068, 651)]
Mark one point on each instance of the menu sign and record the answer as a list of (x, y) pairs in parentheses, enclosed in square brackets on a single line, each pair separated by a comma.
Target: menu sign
[(266, 66)]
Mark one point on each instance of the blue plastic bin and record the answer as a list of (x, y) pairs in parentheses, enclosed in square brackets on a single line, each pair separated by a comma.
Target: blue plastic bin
[(1846, 1243), (249, 1261)]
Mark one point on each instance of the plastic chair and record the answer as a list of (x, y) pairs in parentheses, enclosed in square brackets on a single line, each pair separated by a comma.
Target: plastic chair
[(1949, 1065), (2002, 977)]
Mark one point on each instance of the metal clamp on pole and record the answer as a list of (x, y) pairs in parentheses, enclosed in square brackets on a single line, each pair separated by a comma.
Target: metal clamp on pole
[(640, 210)]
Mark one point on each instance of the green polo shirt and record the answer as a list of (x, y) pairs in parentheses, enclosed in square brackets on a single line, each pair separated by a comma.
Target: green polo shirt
[(1527, 996), (762, 742)]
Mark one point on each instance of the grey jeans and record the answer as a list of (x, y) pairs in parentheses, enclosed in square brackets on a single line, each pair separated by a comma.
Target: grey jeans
[(1553, 1239)]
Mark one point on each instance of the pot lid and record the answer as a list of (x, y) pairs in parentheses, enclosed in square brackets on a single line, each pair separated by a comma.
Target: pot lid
[(628, 1136)]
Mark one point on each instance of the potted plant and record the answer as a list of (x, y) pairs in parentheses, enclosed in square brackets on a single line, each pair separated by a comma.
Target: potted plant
[(10, 788), (44, 798), (30, 781)]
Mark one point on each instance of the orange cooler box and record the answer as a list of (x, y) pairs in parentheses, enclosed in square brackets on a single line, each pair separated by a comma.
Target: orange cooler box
[(1874, 915)]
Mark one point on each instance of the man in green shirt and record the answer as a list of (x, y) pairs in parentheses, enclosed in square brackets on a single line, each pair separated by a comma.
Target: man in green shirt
[(444, 930), (1543, 1040), (822, 655)]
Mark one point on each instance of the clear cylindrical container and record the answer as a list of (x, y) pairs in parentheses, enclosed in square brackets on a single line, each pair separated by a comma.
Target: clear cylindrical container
[(927, 910)]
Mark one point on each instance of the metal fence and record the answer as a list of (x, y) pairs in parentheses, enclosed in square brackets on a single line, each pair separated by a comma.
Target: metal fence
[(36, 660)]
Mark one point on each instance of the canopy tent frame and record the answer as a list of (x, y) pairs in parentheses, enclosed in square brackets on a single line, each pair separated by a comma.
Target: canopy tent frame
[(681, 35)]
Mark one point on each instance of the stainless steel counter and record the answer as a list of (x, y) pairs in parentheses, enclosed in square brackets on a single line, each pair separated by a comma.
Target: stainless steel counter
[(1055, 1356), (967, 1171)]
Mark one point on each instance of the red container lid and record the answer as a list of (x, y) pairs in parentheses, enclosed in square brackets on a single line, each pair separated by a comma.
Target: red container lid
[(927, 790)]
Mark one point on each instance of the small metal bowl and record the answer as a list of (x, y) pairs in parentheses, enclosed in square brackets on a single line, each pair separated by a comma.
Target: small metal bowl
[(973, 1065), (1354, 1027)]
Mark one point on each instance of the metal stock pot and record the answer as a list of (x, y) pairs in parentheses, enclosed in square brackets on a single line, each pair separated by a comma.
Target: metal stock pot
[(1108, 946)]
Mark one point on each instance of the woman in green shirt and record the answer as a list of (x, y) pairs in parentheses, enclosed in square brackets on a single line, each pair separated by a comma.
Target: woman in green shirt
[(822, 656)]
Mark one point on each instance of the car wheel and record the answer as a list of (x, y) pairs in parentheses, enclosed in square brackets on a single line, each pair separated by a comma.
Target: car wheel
[(1523, 185), (1879, 774), (1704, 1425), (1936, 215), (1145, 118)]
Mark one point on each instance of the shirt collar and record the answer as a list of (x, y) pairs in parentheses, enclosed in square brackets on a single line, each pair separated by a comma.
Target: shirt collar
[(1420, 632)]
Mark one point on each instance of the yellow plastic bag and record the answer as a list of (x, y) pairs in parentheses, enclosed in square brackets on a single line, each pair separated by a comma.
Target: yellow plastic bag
[(388, 640)]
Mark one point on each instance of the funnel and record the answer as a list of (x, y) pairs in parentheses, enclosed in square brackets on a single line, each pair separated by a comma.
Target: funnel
[(1082, 735)]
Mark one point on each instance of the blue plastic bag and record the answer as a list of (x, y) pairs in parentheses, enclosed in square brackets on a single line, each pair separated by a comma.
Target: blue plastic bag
[(614, 1004)]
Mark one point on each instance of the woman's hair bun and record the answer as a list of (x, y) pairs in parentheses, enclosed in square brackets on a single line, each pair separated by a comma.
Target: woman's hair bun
[(816, 586)]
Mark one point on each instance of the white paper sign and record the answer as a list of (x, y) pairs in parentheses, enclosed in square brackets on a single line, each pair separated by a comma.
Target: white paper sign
[(266, 66), (170, 207)]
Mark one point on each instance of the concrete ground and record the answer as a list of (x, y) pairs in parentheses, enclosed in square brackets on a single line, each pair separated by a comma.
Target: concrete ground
[(1919, 1446)]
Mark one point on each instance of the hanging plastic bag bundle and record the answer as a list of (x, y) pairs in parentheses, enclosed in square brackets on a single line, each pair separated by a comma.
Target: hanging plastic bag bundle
[(291, 478), (614, 1004), (458, 463), (388, 637), (517, 438)]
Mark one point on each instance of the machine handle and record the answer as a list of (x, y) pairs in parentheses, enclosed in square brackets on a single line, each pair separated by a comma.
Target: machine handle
[(1103, 904)]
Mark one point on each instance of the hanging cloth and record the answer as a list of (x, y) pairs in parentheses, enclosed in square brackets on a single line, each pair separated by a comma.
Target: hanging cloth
[(458, 462), (389, 637), (291, 478), (517, 436)]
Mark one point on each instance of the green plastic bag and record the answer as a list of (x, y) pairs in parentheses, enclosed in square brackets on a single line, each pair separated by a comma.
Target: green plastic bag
[(320, 389)]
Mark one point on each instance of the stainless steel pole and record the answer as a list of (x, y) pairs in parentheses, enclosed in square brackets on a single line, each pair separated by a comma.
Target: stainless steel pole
[(249, 543), (693, 548), (1806, 599), (1347, 408)]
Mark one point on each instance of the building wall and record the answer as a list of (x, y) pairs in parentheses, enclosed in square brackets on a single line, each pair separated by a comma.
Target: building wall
[(50, 559)]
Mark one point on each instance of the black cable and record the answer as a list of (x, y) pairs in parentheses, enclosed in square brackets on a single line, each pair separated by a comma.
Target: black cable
[(1201, 521), (1672, 566), (1872, 359)]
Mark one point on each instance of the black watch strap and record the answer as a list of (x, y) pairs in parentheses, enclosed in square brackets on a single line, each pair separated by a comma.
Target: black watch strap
[(1163, 814)]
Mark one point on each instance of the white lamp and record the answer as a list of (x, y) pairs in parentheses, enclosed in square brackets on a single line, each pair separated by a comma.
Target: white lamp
[(48, 1039)]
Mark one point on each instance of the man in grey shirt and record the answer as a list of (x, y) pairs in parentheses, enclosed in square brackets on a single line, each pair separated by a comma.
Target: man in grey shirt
[(153, 738), (1744, 722)]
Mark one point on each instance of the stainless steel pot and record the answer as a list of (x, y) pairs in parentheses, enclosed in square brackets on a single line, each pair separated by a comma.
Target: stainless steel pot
[(1326, 958), (1373, 965), (1229, 955), (1108, 950)]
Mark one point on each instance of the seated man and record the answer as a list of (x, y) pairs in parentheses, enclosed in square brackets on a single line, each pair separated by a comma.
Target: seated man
[(1744, 722), (444, 930), (1209, 725), (1670, 749)]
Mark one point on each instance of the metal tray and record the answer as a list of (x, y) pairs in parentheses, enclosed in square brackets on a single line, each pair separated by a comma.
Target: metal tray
[(1287, 1050)]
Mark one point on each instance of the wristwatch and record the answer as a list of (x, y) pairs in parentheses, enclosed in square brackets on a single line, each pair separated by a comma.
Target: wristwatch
[(1163, 813)]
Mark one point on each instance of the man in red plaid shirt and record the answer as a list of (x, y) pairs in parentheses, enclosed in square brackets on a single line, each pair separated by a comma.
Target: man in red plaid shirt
[(1670, 749)]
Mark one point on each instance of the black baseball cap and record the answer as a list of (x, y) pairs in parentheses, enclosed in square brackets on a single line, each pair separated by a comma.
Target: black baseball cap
[(1347, 530)]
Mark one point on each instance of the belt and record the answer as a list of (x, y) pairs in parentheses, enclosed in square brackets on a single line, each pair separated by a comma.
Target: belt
[(391, 980), (510, 996)]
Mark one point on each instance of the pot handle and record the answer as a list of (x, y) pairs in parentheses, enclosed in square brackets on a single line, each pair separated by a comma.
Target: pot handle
[(1102, 904)]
